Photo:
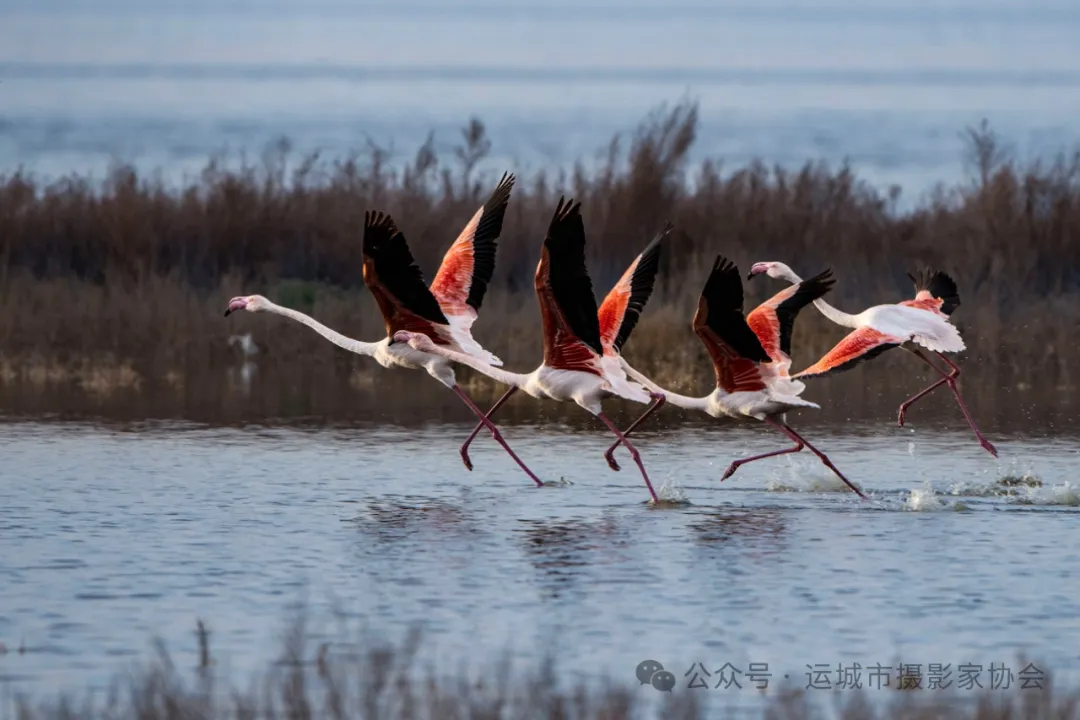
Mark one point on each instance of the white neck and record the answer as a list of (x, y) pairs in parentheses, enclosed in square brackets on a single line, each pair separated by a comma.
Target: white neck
[(676, 399), (837, 316), (506, 377), (356, 346)]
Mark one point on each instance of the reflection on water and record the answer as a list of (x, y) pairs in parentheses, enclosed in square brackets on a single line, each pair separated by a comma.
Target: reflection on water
[(114, 536), (862, 401)]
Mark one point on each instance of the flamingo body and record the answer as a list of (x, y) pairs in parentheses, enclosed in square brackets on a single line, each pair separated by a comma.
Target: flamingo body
[(750, 356), (445, 311), (922, 322), (577, 365)]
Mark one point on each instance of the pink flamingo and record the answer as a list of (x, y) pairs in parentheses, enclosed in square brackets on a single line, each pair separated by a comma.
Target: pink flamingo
[(922, 322), (575, 366), (618, 316), (751, 358), (446, 311)]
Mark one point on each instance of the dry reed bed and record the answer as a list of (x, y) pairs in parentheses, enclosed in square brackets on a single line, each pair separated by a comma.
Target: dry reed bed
[(373, 680), (121, 285)]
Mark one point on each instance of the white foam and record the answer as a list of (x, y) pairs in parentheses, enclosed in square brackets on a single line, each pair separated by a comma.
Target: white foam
[(671, 492), (924, 499), (798, 477), (1064, 494)]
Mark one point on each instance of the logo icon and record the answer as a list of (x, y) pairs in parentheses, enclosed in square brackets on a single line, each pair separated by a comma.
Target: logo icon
[(651, 672)]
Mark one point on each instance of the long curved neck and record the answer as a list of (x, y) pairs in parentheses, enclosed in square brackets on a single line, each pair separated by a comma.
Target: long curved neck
[(676, 399), (837, 316), (506, 377), (356, 346)]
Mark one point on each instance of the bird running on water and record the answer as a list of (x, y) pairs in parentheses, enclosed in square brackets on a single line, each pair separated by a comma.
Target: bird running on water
[(575, 367), (618, 316), (751, 358), (446, 311), (916, 324)]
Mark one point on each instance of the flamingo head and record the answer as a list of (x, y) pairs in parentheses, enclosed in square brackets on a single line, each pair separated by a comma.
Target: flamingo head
[(776, 270), (417, 341), (251, 303)]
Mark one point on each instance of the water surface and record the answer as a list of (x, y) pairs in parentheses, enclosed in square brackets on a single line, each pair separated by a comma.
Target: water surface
[(115, 535)]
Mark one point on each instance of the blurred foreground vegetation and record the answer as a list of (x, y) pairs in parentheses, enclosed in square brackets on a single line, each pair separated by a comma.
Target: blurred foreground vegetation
[(373, 680)]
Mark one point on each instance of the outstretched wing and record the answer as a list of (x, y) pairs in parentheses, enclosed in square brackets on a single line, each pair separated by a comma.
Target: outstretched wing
[(735, 350), (857, 346), (468, 265), (397, 284), (934, 291), (773, 321), (564, 290), (623, 305)]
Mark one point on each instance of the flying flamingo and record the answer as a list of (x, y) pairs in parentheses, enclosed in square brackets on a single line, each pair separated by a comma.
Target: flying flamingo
[(751, 358), (618, 315), (575, 366), (922, 322), (445, 311)]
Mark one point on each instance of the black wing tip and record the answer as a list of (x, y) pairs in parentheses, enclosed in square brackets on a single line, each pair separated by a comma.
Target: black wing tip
[(642, 284), (805, 293), (820, 284), (565, 208), (500, 196), (648, 260), (940, 285), (723, 266), (378, 227), (568, 274), (723, 296), (653, 248), (566, 212), (378, 219)]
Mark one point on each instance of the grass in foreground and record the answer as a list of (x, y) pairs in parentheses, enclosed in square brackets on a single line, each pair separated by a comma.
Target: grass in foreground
[(386, 682)]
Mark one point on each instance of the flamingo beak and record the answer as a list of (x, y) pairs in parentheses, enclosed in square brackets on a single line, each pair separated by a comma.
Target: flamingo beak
[(234, 305), (756, 269)]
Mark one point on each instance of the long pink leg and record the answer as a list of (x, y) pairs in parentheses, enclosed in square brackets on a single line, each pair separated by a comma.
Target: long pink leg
[(495, 432), (735, 465), (480, 426), (633, 453), (658, 401), (911, 400), (799, 443), (950, 380)]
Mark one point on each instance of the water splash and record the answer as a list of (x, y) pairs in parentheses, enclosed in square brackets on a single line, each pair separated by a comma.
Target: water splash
[(924, 499), (1066, 494), (1011, 485), (672, 492), (802, 479)]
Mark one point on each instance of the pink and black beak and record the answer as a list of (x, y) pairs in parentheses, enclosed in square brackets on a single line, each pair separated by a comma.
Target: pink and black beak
[(237, 303), (757, 269)]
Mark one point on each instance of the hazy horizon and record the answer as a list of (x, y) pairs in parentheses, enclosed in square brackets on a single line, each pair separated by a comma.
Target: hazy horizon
[(885, 85)]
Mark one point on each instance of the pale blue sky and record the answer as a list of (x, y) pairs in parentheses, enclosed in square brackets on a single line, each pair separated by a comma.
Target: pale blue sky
[(892, 36)]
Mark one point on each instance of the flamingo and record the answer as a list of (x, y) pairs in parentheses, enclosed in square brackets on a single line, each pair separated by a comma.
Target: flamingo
[(618, 315), (922, 322), (575, 366), (446, 311), (751, 358)]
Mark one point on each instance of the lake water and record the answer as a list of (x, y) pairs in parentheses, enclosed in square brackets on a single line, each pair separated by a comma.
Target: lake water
[(115, 534), (885, 84)]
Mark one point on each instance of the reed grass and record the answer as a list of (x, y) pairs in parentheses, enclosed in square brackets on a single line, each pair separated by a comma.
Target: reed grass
[(119, 286), (376, 680)]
